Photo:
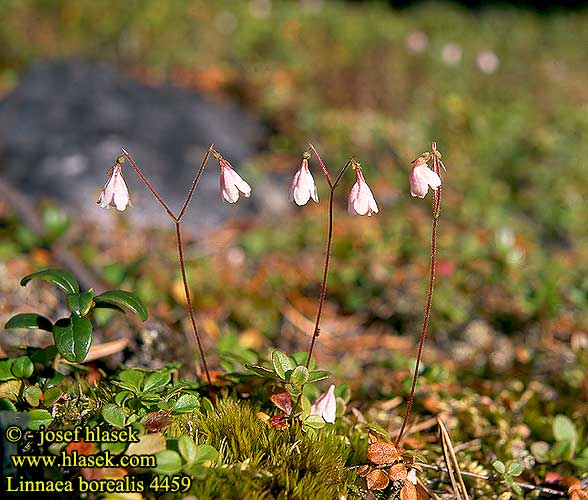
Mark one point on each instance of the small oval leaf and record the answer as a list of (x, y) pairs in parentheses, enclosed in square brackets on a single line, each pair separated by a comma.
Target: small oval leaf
[(283, 364), (114, 415), (33, 395), (30, 321), (299, 375), (124, 299), (38, 418), (156, 381), (22, 367), (168, 462), (187, 448), (186, 403), (57, 277)]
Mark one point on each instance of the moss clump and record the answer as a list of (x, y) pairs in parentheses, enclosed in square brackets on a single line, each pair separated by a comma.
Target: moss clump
[(259, 462)]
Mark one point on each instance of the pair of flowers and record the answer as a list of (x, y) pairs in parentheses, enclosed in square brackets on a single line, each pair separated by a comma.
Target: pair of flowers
[(116, 194), (359, 202)]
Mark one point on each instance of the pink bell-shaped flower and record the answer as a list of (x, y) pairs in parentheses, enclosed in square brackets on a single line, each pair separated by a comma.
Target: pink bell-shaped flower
[(361, 200), (231, 183), (303, 187), (115, 192), (422, 177), (326, 405)]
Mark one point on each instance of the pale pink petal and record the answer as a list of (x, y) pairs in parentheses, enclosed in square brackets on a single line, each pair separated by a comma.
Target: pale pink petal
[(361, 200), (121, 193), (326, 405), (231, 183), (303, 187), (115, 192), (421, 178)]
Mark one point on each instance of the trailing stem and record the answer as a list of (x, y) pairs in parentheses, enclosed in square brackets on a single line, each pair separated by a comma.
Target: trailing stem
[(437, 164), (177, 219)]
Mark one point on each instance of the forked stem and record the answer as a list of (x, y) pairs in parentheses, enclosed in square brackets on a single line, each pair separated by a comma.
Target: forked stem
[(177, 219), (436, 205), (332, 188)]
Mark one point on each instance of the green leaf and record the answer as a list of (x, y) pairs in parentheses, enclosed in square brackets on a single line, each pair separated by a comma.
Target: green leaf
[(6, 370), (80, 303), (564, 429), (186, 403), (262, 371), (156, 381), (315, 422), (58, 277), (51, 395), (517, 489), (132, 379), (22, 367), (124, 299), (37, 418), (73, 337), (581, 460), (114, 415), (514, 469), (168, 462), (499, 466), (299, 375), (283, 364), (33, 395), (317, 375), (564, 450), (205, 454), (30, 321), (187, 448), (6, 405), (301, 357)]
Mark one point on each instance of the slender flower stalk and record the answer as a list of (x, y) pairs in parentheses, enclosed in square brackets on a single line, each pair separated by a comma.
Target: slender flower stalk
[(437, 165), (177, 219), (332, 187)]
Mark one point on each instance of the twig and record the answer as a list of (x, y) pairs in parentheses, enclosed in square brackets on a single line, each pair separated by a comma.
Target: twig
[(452, 463), (472, 475)]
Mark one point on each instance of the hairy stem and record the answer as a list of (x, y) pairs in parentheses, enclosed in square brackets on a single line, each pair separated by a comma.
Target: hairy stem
[(189, 300), (427, 315), (195, 183), (148, 184)]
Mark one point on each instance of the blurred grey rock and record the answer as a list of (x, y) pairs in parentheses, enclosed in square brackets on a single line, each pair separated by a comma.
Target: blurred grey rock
[(62, 127)]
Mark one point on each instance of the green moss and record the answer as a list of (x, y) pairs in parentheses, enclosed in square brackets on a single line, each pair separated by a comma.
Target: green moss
[(259, 462)]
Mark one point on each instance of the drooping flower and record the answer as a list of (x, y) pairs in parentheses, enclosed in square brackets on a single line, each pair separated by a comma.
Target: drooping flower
[(361, 200), (303, 187), (326, 405), (231, 183), (422, 177), (115, 192)]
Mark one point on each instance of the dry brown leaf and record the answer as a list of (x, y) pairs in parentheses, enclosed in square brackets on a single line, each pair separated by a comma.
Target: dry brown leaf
[(380, 453), (398, 472), (377, 480), (408, 491)]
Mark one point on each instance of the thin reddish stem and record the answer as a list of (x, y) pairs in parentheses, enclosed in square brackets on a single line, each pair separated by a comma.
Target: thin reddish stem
[(317, 328), (189, 301), (195, 183), (323, 167), (148, 184), (427, 315)]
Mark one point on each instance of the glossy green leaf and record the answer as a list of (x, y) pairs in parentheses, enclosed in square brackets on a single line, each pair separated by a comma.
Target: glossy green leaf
[(80, 303), (58, 277), (6, 370), (315, 422), (30, 321), (6, 405), (123, 299), (156, 381), (262, 371), (283, 364), (114, 415), (205, 454), (73, 337), (317, 375), (38, 418), (51, 395), (132, 379), (22, 367)]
